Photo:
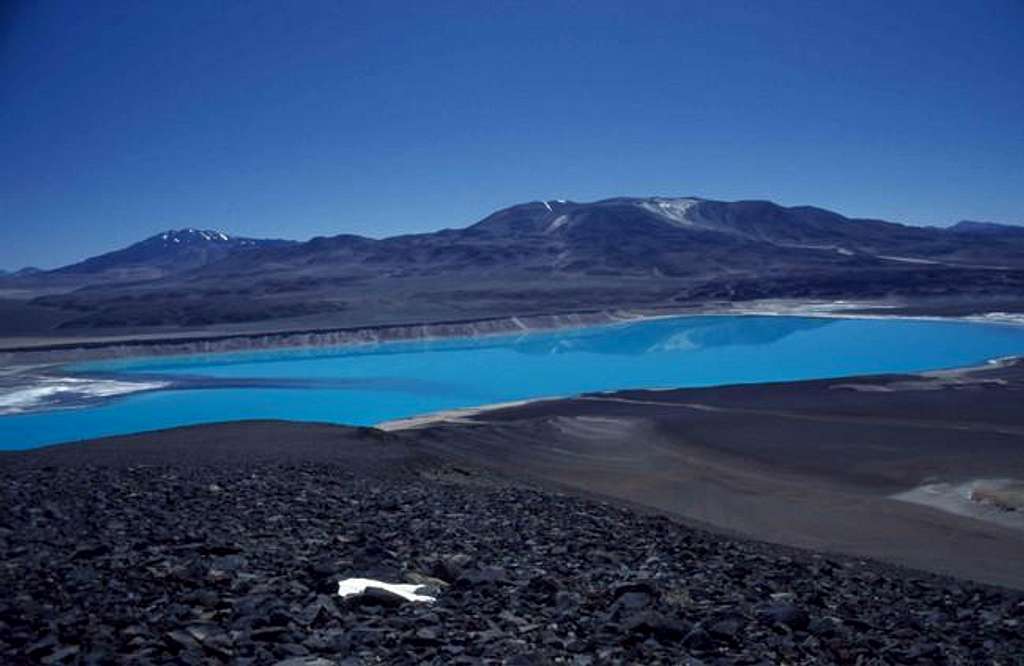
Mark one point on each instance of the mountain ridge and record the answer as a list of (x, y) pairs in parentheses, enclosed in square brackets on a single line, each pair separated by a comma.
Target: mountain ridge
[(991, 228), (673, 209), (539, 256)]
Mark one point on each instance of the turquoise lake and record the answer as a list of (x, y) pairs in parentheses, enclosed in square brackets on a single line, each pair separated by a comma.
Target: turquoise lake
[(365, 385)]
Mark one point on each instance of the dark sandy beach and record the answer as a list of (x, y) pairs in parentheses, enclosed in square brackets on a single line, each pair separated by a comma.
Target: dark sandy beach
[(811, 464)]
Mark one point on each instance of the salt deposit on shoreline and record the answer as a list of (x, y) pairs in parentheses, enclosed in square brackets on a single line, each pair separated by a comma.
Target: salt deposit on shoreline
[(998, 501), (35, 392)]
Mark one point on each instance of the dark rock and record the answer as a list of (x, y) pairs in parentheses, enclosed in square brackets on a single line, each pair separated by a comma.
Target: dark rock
[(181, 640), (270, 633), (631, 601), (823, 627), (655, 625), (543, 588), (321, 610), (698, 640), (272, 614), (726, 626), (371, 556), (90, 552), (220, 549), (325, 566), (636, 589), (450, 568), (304, 661), (566, 601), (426, 636), (377, 596), (63, 654), (292, 649), (201, 632), (928, 651), (786, 614), (229, 562), (482, 576), (43, 647)]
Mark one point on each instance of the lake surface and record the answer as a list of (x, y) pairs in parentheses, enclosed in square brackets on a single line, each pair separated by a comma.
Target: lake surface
[(368, 384)]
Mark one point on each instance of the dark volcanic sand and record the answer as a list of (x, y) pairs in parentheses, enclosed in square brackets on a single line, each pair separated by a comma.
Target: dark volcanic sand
[(812, 464), (223, 544)]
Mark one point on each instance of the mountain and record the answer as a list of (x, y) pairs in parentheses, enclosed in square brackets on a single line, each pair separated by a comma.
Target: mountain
[(21, 272), (986, 228), (667, 237), (167, 253), (542, 256)]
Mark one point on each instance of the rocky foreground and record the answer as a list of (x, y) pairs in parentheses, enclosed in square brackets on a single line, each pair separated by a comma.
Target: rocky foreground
[(239, 564)]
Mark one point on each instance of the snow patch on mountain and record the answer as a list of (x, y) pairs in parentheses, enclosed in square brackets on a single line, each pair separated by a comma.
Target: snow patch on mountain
[(676, 211), (191, 235), (557, 223)]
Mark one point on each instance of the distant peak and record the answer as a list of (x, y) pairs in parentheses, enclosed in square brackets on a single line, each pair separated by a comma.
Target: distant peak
[(988, 228), (971, 224), (22, 272), (551, 204), (190, 234)]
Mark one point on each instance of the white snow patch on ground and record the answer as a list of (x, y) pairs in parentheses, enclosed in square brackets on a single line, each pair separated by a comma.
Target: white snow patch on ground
[(547, 205), (351, 586), (46, 391)]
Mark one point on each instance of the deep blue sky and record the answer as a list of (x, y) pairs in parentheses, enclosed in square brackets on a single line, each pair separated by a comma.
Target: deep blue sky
[(295, 119)]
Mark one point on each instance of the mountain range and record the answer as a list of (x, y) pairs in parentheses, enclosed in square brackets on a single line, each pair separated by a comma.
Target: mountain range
[(534, 257)]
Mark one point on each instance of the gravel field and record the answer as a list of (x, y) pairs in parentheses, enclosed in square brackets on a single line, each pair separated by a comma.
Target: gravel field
[(206, 562)]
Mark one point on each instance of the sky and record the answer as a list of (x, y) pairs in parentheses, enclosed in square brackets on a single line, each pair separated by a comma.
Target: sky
[(297, 119)]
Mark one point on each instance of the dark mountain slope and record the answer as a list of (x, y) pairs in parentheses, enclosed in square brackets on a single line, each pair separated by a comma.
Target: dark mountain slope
[(989, 229), (546, 256)]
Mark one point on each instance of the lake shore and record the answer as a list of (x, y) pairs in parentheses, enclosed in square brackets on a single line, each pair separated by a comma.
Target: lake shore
[(823, 464), (836, 465), (90, 399), (55, 351)]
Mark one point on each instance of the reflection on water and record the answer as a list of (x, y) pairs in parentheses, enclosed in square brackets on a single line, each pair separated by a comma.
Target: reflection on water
[(369, 384), (662, 335), (668, 334)]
